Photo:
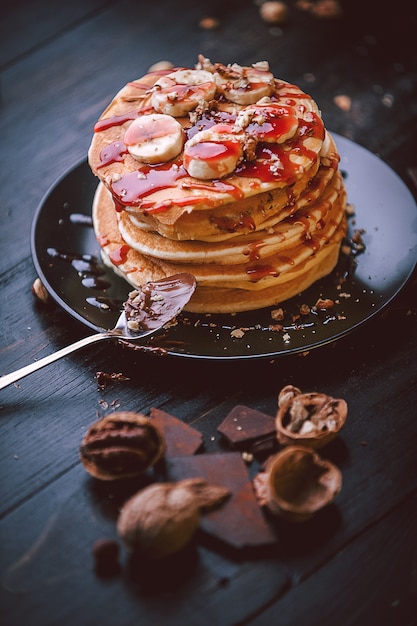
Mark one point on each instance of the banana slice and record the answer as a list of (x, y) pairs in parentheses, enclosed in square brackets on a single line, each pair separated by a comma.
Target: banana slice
[(180, 92), (270, 122), (244, 86), (214, 152), (154, 138)]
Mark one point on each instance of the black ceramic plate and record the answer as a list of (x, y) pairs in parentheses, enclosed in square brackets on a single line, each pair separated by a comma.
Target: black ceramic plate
[(66, 257)]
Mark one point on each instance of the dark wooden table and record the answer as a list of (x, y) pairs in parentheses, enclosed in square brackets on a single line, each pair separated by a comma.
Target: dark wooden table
[(354, 564)]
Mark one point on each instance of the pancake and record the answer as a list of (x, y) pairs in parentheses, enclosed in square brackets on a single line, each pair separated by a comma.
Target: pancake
[(225, 288), (224, 172), (167, 192)]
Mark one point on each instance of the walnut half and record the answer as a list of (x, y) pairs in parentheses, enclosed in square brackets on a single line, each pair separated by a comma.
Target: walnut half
[(310, 419), (298, 483)]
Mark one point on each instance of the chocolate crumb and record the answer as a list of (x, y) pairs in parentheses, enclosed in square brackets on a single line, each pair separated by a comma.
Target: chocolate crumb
[(103, 378)]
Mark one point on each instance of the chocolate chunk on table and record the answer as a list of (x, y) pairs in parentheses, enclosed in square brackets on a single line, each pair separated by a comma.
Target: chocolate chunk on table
[(180, 438), (239, 522), (245, 426)]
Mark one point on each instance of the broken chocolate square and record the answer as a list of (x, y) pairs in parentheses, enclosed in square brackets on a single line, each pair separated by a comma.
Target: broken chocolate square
[(239, 522), (245, 426), (180, 438)]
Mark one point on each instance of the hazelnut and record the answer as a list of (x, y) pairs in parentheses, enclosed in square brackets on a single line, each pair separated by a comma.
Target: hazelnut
[(299, 483), (121, 445), (39, 291), (162, 518), (274, 12), (106, 557), (309, 419)]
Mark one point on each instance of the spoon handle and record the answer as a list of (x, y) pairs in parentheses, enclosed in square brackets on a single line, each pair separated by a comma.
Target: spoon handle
[(8, 379)]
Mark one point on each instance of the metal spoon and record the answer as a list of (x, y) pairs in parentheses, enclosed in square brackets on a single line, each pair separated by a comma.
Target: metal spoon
[(153, 306)]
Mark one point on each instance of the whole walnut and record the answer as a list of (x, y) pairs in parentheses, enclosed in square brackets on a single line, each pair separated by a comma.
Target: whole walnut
[(162, 518), (121, 445)]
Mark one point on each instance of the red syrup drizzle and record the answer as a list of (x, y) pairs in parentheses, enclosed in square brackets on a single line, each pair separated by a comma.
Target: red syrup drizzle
[(253, 250), (207, 121), (112, 153), (119, 254), (115, 120), (279, 121), (132, 189), (257, 272), (273, 161), (119, 120)]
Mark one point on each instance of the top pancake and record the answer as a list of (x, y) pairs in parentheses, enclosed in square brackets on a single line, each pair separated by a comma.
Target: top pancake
[(166, 192)]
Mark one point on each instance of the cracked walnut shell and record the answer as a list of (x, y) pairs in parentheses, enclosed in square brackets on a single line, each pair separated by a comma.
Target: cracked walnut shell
[(299, 483), (309, 419), (121, 445)]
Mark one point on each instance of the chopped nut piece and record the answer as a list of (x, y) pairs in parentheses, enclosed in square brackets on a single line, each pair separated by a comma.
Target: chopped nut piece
[(323, 304), (277, 315), (237, 333)]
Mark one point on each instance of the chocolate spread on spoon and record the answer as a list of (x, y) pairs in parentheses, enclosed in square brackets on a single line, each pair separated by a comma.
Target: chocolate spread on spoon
[(158, 302)]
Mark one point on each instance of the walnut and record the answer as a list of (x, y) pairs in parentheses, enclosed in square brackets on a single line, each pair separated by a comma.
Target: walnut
[(298, 483), (162, 518), (310, 419), (121, 445)]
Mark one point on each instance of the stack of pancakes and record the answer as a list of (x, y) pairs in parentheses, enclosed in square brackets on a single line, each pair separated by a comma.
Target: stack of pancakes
[(252, 237)]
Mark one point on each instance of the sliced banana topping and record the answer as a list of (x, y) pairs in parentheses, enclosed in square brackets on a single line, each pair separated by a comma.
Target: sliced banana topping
[(181, 91), (154, 138), (268, 121), (244, 86), (214, 152)]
